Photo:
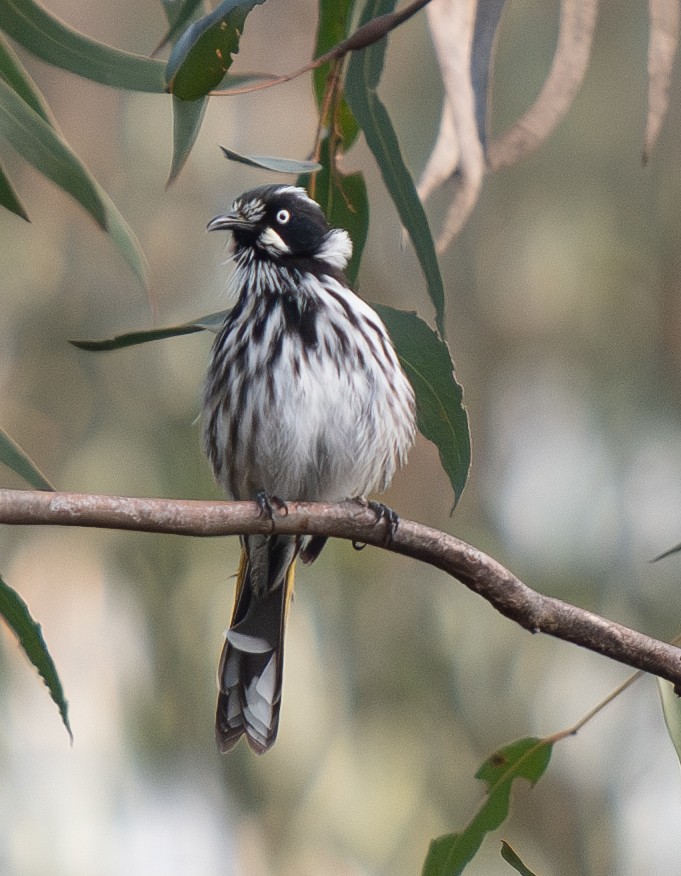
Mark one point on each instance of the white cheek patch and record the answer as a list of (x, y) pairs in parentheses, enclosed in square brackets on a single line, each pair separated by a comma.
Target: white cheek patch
[(336, 249), (271, 242)]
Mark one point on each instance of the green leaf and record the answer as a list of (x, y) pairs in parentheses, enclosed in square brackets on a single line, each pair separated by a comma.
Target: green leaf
[(278, 165), (187, 118), (51, 40), (15, 75), (363, 76), (20, 463), (343, 197), (9, 198), (333, 26), (671, 708), (42, 146), (508, 854), (203, 54), (524, 759), (28, 632), (211, 323), (179, 14), (668, 553), (442, 417)]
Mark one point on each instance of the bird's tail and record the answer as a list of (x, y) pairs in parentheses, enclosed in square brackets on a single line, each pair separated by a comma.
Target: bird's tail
[(250, 670)]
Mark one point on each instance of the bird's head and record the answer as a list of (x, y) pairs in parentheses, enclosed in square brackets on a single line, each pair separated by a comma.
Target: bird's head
[(281, 223)]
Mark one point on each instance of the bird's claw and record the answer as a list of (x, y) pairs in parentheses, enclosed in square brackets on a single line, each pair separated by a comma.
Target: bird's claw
[(383, 512), (270, 506)]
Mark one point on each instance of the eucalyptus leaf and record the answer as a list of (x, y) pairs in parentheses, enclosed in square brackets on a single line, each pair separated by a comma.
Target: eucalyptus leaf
[(524, 759), (668, 553), (53, 41), (15, 74), (211, 322), (363, 76), (187, 118), (43, 147), (278, 165), (442, 417), (202, 56), (17, 616), (343, 198), (671, 708), (9, 198), (179, 14), (20, 463), (513, 858), (333, 26)]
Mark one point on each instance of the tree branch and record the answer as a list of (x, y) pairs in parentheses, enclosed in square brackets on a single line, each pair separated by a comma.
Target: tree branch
[(350, 520), (366, 35)]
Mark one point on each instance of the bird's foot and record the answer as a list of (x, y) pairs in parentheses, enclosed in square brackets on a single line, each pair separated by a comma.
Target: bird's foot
[(270, 506), (382, 512)]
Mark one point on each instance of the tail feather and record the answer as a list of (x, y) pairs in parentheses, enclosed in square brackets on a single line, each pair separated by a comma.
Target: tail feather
[(250, 670)]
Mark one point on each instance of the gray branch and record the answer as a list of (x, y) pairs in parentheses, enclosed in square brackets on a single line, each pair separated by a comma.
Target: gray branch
[(350, 520)]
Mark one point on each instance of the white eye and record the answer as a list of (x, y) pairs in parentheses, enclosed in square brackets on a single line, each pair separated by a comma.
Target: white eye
[(283, 216)]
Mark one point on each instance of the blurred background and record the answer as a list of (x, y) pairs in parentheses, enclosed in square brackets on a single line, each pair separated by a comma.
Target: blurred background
[(564, 320)]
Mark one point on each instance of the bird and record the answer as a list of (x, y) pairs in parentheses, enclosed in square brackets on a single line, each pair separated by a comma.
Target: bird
[(304, 400)]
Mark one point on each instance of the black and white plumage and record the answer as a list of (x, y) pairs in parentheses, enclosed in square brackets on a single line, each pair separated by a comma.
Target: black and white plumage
[(304, 400)]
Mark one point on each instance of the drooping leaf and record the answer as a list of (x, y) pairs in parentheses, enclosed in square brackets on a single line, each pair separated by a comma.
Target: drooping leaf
[(512, 857), (524, 759), (343, 197), (671, 708), (277, 165), (333, 26), (668, 553), (442, 418), (52, 40), (363, 76), (179, 14), (570, 62), (9, 198), (20, 463), (187, 118), (211, 322), (15, 74), (457, 155), (17, 616), (43, 147), (203, 54)]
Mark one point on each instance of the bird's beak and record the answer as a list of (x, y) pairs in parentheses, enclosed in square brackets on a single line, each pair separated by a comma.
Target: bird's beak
[(228, 222)]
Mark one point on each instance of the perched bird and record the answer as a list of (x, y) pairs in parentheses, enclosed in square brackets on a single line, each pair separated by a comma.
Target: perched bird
[(304, 400)]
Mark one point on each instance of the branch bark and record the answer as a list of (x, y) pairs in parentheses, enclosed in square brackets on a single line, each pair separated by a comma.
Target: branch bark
[(369, 33), (351, 520)]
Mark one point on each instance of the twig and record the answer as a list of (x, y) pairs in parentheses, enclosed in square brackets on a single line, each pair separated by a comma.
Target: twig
[(364, 36), (350, 520)]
